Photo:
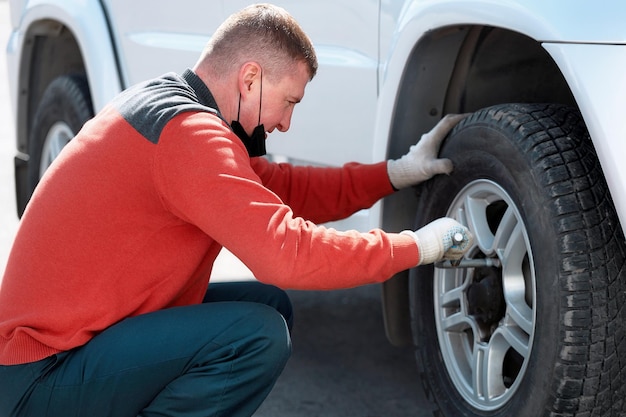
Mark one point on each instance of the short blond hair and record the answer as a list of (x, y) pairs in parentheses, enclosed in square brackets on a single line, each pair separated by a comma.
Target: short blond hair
[(263, 33)]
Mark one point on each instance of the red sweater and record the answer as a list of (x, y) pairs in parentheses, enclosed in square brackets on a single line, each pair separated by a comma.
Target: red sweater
[(130, 218)]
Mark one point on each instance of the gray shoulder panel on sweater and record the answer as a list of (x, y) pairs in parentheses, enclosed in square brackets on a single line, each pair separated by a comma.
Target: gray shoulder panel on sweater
[(150, 105)]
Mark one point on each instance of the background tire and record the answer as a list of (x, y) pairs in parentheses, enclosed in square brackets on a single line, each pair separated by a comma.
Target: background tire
[(64, 107), (543, 334)]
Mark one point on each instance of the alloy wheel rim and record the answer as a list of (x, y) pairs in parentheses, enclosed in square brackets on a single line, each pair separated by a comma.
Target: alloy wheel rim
[(58, 136), (485, 317)]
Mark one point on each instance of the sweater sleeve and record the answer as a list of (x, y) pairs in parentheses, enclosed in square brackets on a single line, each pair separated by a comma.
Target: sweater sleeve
[(325, 194), (205, 178)]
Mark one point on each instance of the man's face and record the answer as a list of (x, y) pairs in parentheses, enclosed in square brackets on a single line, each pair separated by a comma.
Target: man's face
[(278, 101)]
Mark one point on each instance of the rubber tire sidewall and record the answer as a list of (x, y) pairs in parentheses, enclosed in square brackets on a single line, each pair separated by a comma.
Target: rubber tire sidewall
[(67, 100)]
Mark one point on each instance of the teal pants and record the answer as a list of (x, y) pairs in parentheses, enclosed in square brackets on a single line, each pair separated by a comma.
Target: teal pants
[(219, 358)]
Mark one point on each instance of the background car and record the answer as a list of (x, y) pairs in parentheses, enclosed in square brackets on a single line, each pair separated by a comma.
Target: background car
[(533, 323)]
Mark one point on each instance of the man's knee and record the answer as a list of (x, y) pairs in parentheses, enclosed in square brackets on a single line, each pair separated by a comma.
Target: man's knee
[(270, 335), (252, 291), (281, 302)]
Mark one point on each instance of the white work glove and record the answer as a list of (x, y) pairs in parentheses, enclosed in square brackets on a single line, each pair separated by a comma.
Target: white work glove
[(435, 241), (422, 162)]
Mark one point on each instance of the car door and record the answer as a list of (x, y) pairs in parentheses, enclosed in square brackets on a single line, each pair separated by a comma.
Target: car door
[(334, 122)]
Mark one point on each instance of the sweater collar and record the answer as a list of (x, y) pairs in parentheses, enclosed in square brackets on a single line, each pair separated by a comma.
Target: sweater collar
[(205, 97)]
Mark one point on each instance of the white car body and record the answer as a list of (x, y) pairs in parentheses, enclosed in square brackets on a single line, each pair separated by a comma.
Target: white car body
[(587, 42)]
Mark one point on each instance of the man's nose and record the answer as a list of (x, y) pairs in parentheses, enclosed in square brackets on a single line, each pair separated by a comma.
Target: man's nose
[(284, 124)]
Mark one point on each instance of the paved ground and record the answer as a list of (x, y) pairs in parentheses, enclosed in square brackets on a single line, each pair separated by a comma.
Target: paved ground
[(342, 365)]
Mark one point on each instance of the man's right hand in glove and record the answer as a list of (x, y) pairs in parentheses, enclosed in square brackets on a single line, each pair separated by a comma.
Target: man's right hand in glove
[(422, 161), (435, 241)]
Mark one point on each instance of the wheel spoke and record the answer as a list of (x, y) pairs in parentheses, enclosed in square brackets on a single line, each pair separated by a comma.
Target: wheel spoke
[(480, 370), (453, 297), (521, 315), (488, 364), (515, 338), (476, 218), (487, 379), (505, 229), (456, 322), (514, 281)]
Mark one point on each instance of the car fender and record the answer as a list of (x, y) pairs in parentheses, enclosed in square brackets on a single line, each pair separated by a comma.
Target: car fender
[(87, 21), (403, 27), (539, 20)]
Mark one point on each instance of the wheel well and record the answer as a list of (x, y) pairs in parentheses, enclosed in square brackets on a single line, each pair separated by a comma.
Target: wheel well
[(50, 50), (458, 70)]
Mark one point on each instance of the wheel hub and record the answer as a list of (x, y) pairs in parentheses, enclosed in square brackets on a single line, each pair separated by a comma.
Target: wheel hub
[(485, 297)]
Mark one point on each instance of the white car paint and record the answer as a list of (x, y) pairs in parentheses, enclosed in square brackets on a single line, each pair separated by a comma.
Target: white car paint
[(347, 112)]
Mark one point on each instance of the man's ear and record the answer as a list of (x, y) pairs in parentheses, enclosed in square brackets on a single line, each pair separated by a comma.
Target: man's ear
[(249, 76)]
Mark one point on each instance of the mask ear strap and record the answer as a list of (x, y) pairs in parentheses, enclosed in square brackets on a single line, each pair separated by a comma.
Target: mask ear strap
[(260, 97), (239, 107)]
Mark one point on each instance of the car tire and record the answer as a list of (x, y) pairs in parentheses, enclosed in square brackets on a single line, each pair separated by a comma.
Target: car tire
[(538, 330), (64, 107)]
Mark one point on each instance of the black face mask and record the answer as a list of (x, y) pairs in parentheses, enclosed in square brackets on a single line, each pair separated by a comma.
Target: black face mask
[(255, 143)]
